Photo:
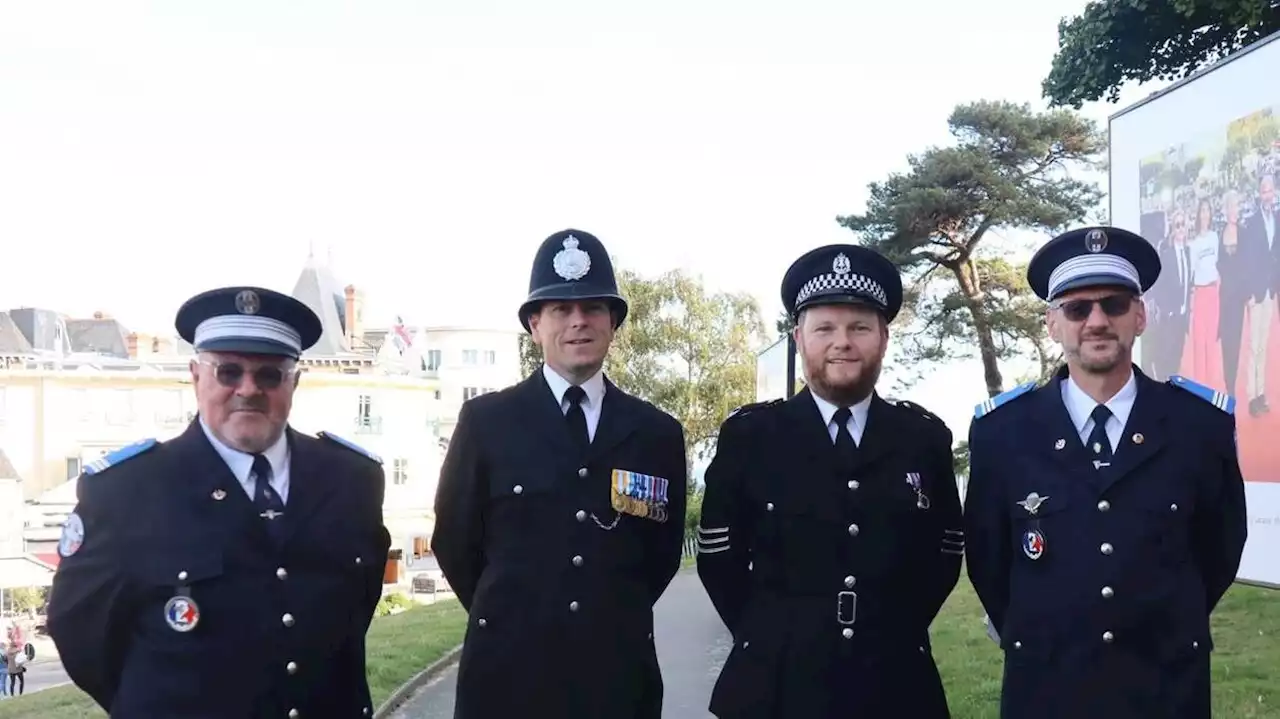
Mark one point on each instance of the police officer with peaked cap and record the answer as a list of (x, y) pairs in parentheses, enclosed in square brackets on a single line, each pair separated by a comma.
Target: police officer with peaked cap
[(560, 514), (233, 570), (831, 531), (1105, 511)]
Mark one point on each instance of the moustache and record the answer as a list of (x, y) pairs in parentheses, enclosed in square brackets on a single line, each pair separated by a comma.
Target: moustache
[(252, 405), (1089, 338)]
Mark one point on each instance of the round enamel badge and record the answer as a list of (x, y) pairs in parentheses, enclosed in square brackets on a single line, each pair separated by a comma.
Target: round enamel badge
[(72, 535), (1033, 544), (182, 614)]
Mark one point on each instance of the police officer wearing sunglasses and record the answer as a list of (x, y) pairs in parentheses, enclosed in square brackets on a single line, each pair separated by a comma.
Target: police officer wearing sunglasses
[(1105, 514), (234, 570)]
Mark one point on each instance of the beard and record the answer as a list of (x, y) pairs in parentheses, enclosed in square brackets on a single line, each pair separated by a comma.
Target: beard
[(1095, 362), (842, 391)]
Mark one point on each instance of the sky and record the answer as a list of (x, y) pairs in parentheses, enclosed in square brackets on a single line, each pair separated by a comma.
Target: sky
[(150, 151)]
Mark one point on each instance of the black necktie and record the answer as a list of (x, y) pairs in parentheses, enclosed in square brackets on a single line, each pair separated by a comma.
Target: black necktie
[(1099, 443), (576, 418), (267, 501), (846, 448)]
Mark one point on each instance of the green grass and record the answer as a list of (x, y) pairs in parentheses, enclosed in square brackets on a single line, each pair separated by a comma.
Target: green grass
[(399, 646), (1246, 632)]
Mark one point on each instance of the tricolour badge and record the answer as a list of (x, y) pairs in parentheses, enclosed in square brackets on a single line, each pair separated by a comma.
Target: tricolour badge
[(1033, 544), (72, 535), (181, 613), (640, 495)]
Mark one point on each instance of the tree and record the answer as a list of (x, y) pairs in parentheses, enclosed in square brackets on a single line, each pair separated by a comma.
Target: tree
[(784, 324), (688, 351), (1114, 41), (1008, 170)]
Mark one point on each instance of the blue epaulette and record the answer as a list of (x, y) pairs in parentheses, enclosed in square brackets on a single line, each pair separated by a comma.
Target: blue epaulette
[(349, 445), (1002, 399), (1221, 400), (119, 456), (749, 408)]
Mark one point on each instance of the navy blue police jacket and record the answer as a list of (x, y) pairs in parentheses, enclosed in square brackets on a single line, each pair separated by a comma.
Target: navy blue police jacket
[(829, 578), (273, 628), (558, 581), (1099, 583)]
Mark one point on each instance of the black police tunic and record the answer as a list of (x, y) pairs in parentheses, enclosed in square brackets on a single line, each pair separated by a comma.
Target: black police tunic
[(1099, 581), (178, 602), (829, 578), (559, 582)]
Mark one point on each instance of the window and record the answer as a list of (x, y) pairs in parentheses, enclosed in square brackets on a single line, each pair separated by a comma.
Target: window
[(366, 421), (400, 471), (73, 467), (437, 394), (469, 393), (490, 357), (471, 357)]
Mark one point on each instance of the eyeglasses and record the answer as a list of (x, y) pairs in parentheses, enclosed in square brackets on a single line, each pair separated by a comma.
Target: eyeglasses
[(1112, 306), (231, 374)]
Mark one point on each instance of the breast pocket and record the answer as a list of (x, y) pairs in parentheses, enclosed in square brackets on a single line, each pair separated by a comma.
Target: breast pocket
[(179, 590), (1035, 521)]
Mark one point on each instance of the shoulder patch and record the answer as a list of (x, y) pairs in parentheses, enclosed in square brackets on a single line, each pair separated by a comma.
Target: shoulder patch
[(1002, 399), (120, 456), (907, 404), (351, 446), (1221, 400), (754, 406)]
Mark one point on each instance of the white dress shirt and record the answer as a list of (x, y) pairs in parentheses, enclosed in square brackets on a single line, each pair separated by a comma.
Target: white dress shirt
[(1080, 407), (241, 464), (857, 419), (594, 387)]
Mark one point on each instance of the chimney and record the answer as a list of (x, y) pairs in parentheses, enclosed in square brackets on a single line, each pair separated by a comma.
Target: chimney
[(100, 315), (131, 344), (353, 320)]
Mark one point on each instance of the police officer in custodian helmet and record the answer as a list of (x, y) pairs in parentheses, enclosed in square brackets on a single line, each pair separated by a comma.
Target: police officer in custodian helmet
[(560, 514), (233, 570), (1105, 512), (831, 529)]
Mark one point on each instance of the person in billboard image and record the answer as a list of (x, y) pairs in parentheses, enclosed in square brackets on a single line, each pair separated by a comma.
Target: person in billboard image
[(1234, 269), (1205, 359), (1262, 262), (1171, 298)]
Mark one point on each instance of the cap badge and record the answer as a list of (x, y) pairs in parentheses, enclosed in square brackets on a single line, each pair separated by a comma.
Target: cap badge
[(841, 264), (1095, 241), (247, 302), (571, 263)]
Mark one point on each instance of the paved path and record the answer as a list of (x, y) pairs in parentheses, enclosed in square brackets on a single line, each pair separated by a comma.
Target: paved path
[(692, 645)]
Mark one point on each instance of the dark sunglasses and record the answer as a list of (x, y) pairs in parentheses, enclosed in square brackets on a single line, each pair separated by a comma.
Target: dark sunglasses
[(1112, 306), (231, 374)]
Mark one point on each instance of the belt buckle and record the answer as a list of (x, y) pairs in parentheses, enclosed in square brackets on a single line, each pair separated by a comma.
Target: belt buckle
[(846, 607)]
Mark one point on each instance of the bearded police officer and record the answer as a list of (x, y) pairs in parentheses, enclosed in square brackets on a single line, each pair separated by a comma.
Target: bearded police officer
[(233, 570), (831, 530), (560, 514), (1105, 512)]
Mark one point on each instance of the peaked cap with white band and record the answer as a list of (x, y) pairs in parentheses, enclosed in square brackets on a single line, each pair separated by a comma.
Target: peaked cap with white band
[(843, 275), (248, 320), (1093, 257)]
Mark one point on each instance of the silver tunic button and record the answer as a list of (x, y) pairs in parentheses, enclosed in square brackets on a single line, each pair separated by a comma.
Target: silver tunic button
[(854, 484), (518, 489), (281, 574), (580, 515), (1108, 637), (1173, 507), (182, 576), (1108, 592), (849, 581), (746, 644), (853, 530), (287, 619), (577, 560), (1104, 505), (482, 622), (359, 560), (582, 471), (364, 712), (1017, 645), (291, 667), (847, 633), (573, 606), (293, 714), (1195, 645), (1106, 548), (768, 506)]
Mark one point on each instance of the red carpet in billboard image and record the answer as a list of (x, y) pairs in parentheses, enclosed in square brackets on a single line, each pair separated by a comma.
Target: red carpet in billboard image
[(1258, 434)]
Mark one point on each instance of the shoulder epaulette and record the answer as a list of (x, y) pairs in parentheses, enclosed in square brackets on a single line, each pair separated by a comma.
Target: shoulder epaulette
[(907, 404), (1221, 400), (753, 407), (1002, 399), (111, 459), (349, 445)]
